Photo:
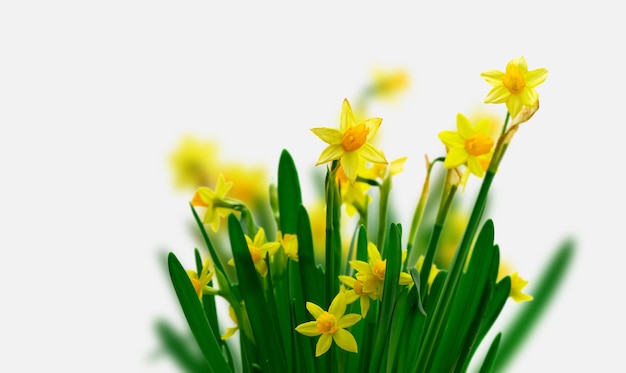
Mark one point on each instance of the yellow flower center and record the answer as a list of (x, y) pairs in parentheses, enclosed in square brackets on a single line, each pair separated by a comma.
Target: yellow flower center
[(478, 144), (326, 323), (354, 137), (358, 287), (379, 268), (255, 253), (513, 79)]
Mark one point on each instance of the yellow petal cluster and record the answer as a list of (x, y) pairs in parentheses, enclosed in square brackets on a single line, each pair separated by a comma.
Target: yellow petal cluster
[(515, 87), (331, 325), (350, 143), (470, 145)]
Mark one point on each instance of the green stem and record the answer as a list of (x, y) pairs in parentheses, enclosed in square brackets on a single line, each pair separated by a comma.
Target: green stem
[(385, 189), (417, 216), (435, 327), (444, 208)]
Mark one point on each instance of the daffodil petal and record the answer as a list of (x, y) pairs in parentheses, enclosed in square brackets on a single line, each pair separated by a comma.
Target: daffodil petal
[(328, 135), (370, 153), (365, 305), (520, 62), (347, 117), (474, 165), (259, 238), (464, 126), (345, 340), (529, 97), (314, 309), (373, 253), (493, 77), (535, 77), (455, 158), (514, 105), (331, 153), (338, 305), (350, 164), (451, 139), (348, 320), (347, 280), (497, 95), (323, 344), (229, 333), (361, 267), (372, 125), (308, 328)]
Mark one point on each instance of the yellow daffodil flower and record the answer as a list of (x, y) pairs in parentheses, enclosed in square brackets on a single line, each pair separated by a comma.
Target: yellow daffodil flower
[(350, 142), (356, 292), (373, 275), (259, 248), (290, 244), (470, 145), (331, 325), (517, 284), (515, 87), (251, 183), (201, 281), (213, 202), (231, 331), (193, 162)]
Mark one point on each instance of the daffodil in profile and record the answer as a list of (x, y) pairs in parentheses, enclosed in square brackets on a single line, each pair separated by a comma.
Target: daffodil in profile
[(193, 162), (213, 201), (516, 86), (351, 142), (517, 284), (331, 325), (470, 145), (202, 280)]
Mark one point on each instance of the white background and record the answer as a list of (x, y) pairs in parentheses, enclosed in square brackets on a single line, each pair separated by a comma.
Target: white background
[(94, 96)]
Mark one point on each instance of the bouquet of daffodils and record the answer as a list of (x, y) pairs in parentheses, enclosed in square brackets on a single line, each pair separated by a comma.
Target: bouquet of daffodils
[(307, 290)]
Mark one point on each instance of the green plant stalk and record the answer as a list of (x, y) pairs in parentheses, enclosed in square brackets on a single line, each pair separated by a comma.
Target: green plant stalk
[(435, 327), (417, 217), (383, 208), (444, 207)]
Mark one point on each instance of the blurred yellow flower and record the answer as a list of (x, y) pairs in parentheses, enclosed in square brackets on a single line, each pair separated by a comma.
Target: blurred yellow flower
[(202, 280), (250, 183), (331, 325), (388, 83), (515, 87), (193, 162), (213, 202), (231, 331), (290, 244), (350, 142), (353, 195), (470, 145), (517, 284)]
